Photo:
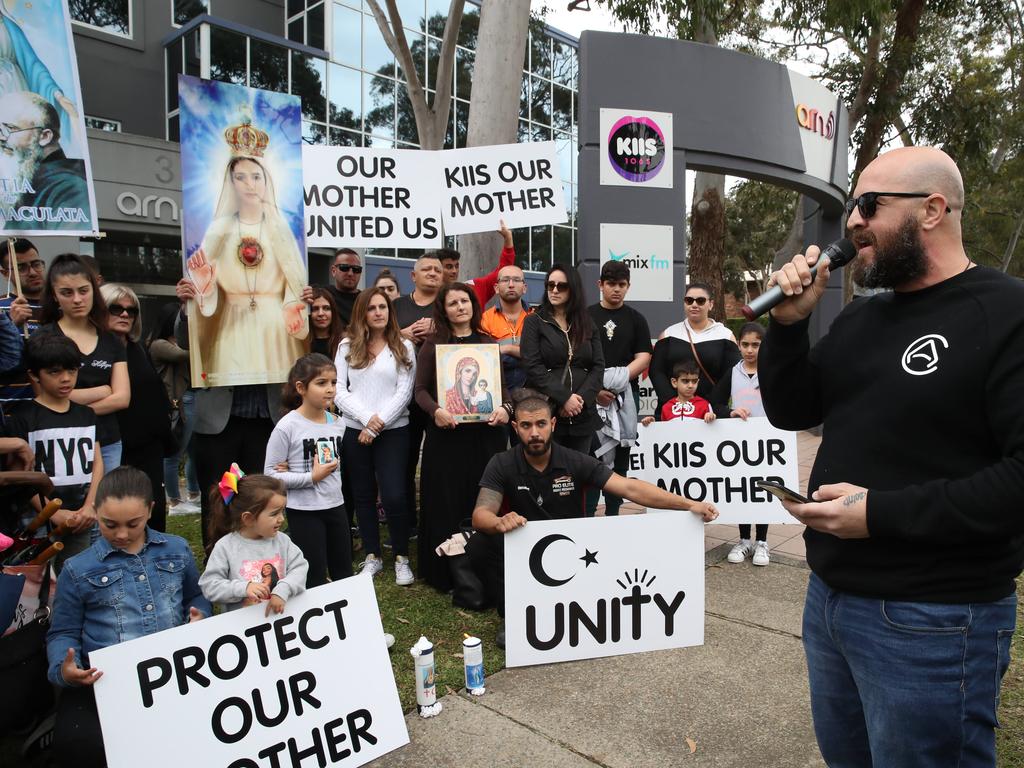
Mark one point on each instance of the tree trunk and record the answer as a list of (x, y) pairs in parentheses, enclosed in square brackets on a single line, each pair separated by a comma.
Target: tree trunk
[(431, 119), (494, 106), (794, 240), (707, 216), (1012, 245), (707, 239)]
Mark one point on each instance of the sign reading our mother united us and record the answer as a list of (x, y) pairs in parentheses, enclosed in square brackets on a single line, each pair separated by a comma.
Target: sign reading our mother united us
[(311, 686), (603, 586), (720, 462)]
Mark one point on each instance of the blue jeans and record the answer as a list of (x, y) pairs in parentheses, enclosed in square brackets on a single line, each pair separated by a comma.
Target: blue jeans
[(905, 684), (381, 462), (172, 463), (111, 456)]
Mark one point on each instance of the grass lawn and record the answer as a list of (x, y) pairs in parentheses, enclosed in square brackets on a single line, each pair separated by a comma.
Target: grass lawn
[(407, 613), (1010, 738)]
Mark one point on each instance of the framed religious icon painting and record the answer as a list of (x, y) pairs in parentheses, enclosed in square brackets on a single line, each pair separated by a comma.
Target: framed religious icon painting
[(469, 380)]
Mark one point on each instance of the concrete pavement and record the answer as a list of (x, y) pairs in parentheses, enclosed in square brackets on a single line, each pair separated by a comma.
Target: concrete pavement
[(739, 700)]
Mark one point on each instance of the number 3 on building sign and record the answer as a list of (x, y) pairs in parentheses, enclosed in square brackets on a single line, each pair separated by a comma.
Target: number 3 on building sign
[(164, 169)]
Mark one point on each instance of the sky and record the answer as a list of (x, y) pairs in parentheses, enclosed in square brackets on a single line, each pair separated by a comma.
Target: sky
[(573, 23)]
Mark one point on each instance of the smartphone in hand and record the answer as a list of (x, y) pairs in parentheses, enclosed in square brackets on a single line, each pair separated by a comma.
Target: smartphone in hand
[(781, 492)]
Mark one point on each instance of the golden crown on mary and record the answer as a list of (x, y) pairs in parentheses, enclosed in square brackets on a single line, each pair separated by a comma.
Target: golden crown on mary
[(246, 140)]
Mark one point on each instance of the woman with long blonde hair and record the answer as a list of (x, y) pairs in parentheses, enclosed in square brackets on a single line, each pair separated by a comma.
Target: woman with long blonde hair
[(376, 373)]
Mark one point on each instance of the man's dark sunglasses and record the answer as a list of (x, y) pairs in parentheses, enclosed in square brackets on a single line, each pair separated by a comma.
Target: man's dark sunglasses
[(117, 310), (349, 268), (867, 204)]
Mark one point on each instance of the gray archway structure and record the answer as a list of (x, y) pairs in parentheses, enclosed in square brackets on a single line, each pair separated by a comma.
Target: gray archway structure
[(730, 113)]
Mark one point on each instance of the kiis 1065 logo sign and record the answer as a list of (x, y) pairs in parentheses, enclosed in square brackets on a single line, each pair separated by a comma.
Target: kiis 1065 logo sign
[(636, 148)]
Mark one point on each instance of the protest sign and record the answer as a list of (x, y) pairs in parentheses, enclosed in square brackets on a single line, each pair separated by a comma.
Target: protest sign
[(46, 184), (720, 462), (241, 690), (603, 586), (515, 182), (383, 198), (243, 236)]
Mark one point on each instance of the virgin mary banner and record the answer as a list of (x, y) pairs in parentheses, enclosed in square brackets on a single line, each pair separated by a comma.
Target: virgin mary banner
[(244, 246), (45, 177)]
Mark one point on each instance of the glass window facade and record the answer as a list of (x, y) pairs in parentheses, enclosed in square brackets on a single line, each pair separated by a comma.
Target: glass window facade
[(113, 16), (368, 104), (357, 96), (183, 11)]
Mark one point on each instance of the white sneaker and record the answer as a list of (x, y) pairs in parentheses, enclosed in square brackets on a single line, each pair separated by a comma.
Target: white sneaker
[(761, 553), (740, 551), (371, 566), (403, 573)]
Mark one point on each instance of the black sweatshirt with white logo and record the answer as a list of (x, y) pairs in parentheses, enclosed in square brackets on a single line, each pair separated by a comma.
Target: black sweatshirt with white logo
[(921, 395)]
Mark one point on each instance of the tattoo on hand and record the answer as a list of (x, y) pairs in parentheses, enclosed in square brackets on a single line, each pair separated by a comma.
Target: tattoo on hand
[(853, 498)]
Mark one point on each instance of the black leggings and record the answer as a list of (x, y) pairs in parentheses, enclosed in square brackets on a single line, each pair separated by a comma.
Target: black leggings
[(325, 539), (762, 531), (77, 739)]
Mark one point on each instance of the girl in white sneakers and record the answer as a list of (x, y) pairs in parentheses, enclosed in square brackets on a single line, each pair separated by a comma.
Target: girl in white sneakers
[(744, 397)]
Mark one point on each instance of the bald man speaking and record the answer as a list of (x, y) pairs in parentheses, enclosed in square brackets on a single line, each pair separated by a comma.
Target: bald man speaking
[(915, 530)]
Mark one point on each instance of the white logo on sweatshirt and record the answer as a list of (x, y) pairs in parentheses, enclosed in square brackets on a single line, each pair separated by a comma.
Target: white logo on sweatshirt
[(922, 356)]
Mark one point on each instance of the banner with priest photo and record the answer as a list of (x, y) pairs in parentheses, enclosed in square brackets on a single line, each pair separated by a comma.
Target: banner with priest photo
[(46, 184)]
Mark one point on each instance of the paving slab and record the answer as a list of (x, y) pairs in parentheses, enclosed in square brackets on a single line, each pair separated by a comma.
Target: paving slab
[(467, 735), (771, 596), (741, 698)]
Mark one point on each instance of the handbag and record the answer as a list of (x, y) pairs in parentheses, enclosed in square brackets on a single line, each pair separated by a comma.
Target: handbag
[(467, 589), (693, 348), (23, 665)]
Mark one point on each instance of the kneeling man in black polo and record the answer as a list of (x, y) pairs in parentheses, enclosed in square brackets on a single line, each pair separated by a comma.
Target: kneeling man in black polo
[(542, 480)]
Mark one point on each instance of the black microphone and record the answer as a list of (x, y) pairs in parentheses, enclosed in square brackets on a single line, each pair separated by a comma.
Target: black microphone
[(839, 254)]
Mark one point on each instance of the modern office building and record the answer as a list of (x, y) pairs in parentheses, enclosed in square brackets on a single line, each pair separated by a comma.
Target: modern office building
[(328, 52)]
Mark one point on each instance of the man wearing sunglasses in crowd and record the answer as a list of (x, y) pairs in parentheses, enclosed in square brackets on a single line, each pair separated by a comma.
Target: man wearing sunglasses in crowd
[(914, 530), (24, 311), (346, 270)]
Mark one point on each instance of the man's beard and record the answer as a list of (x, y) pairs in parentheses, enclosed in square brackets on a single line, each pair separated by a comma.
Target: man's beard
[(897, 261), (537, 448)]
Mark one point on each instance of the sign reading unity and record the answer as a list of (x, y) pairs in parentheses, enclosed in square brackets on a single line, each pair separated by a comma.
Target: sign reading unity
[(585, 588), (45, 175), (515, 182), (720, 462), (371, 197), (313, 685), (243, 235)]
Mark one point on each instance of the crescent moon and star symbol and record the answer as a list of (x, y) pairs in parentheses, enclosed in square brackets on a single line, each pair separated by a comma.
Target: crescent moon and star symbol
[(537, 560)]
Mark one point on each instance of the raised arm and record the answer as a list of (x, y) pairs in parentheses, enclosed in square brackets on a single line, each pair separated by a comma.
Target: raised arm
[(484, 286)]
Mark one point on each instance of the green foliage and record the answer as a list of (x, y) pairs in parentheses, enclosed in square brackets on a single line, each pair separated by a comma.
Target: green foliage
[(758, 219)]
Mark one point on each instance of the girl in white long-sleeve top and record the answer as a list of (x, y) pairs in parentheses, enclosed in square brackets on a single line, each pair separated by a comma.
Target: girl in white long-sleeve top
[(376, 372), (304, 453)]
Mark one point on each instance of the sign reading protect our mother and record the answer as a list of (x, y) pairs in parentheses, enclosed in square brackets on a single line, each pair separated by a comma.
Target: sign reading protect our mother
[(606, 586), (312, 686), (371, 197), (517, 183), (720, 462), (243, 233), (46, 184)]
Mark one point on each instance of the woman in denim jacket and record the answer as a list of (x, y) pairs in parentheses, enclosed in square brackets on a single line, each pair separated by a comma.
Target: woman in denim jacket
[(133, 581)]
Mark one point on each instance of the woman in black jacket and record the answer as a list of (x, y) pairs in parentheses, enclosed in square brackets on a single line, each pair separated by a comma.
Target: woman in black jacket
[(563, 358)]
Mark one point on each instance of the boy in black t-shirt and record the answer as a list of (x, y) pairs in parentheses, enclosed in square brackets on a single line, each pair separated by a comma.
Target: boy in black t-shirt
[(626, 342), (62, 434)]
